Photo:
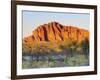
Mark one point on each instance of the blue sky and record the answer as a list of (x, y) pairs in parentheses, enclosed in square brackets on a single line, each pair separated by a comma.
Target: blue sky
[(32, 19)]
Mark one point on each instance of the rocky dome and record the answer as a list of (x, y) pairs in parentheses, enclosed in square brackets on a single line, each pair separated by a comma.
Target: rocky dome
[(55, 31)]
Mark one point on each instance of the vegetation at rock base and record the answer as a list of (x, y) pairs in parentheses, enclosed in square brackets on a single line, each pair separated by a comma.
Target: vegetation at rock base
[(63, 54)]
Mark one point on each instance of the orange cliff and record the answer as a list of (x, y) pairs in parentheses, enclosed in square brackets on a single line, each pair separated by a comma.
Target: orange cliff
[(54, 31)]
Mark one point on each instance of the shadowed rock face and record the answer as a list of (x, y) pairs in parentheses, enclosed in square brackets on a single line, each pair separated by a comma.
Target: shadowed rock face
[(56, 32)]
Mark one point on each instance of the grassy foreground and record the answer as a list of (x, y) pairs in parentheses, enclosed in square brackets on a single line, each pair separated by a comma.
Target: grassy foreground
[(76, 60), (71, 54)]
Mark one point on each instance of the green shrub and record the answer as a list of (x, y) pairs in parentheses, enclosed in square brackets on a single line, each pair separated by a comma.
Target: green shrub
[(78, 60)]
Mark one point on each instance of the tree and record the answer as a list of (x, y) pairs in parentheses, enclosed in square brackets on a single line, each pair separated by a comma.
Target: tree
[(85, 46), (72, 47)]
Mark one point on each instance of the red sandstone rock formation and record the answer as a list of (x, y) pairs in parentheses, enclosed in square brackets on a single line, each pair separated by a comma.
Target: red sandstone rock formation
[(56, 32)]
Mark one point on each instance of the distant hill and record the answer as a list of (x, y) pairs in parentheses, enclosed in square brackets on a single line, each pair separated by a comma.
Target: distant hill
[(55, 31)]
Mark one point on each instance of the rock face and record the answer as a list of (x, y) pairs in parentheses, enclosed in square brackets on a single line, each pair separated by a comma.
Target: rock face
[(54, 31)]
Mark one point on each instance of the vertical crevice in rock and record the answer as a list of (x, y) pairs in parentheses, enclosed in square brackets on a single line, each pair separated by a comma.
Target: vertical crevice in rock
[(45, 34)]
